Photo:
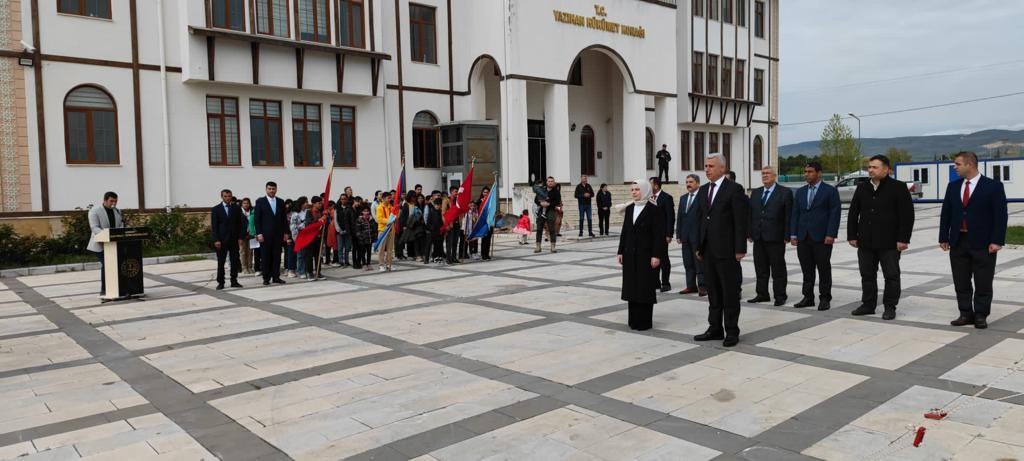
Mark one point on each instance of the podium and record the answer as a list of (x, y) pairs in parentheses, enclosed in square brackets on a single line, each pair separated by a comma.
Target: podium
[(122, 261)]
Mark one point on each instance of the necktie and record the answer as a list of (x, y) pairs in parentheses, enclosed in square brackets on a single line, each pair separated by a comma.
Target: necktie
[(764, 196), (810, 196), (273, 204), (966, 199), (689, 202), (711, 193)]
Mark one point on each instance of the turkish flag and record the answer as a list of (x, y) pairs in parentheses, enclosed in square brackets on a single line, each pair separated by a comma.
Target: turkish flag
[(461, 201)]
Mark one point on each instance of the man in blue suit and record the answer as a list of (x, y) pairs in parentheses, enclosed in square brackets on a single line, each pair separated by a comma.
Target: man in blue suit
[(813, 230), (272, 232), (687, 233), (972, 228)]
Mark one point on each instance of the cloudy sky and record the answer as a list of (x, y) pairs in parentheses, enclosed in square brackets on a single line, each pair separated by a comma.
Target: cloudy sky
[(871, 56)]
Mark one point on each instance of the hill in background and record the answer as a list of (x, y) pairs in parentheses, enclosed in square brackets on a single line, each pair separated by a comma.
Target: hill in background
[(986, 143)]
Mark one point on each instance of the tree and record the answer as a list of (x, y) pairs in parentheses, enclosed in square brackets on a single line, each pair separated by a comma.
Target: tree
[(839, 149), (898, 155)]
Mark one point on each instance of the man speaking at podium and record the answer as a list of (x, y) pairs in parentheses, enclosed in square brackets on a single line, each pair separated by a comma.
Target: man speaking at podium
[(103, 217)]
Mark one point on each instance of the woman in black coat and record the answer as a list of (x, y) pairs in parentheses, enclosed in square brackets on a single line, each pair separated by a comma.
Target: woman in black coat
[(642, 247)]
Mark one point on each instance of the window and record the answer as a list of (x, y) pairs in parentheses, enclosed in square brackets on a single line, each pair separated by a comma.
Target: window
[(758, 150), (313, 21), (712, 76), (698, 7), (727, 77), (424, 141), (343, 135), (272, 17), (698, 149), (350, 23), (90, 126), (727, 149), (727, 11), (228, 14), (740, 67), (921, 174), (265, 132), (684, 149), (423, 41), (759, 86), (999, 173), (90, 8), (698, 72), (741, 13), (451, 146), (759, 19), (712, 9), (587, 151), (650, 148), (713, 143), (222, 130), (307, 140)]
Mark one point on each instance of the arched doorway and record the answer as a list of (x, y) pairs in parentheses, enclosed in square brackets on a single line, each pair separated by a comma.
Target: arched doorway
[(758, 148), (649, 144)]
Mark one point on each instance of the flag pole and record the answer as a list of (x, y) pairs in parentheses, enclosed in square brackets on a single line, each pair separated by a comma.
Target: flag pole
[(323, 231)]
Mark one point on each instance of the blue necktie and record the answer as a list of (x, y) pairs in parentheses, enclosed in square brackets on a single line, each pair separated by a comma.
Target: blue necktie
[(764, 196), (273, 204), (810, 196)]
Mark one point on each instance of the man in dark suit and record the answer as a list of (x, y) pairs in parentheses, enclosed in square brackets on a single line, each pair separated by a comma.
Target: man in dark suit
[(724, 216), (667, 206), (879, 226), (272, 232), (813, 229), (226, 227), (973, 228), (687, 233), (663, 158), (771, 206)]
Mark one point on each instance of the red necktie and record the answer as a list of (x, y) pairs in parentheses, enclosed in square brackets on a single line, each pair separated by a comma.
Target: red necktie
[(966, 199), (711, 193)]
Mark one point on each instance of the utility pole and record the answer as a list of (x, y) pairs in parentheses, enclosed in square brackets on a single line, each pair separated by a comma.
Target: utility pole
[(858, 133)]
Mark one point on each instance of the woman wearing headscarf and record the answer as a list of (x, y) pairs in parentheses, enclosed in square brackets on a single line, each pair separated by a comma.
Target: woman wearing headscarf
[(642, 248)]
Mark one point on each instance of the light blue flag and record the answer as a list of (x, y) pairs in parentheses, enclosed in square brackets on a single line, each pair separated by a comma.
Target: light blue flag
[(487, 213)]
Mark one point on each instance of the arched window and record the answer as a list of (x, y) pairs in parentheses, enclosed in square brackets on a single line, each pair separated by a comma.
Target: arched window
[(587, 151), (424, 141), (758, 149), (90, 126), (650, 149)]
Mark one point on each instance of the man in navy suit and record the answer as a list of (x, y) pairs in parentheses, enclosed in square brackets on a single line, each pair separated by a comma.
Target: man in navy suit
[(271, 231), (687, 232), (668, 207), (771, 206), (972, 228), (226, 227), (813, 230)]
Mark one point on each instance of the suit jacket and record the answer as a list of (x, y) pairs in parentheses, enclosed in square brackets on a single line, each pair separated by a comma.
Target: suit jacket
[(770, 222), (880, 218), (580, 190), (433, 220), (668, 206), (97, 222), (226, 227), (687, 222), (723, 226), (273, 226), (985, 212), (821, 220), (640, 241)]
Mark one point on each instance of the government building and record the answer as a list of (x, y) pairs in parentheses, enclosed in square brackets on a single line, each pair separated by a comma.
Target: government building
[(168, 101)]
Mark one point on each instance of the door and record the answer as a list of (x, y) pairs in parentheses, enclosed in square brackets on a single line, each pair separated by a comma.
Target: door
[(536, 150)]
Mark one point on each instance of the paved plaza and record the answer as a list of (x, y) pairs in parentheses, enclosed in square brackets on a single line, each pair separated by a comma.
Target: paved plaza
[(526, 357)]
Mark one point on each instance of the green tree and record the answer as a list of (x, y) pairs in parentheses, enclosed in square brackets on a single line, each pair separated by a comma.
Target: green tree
[(839, 149), (898, 155)]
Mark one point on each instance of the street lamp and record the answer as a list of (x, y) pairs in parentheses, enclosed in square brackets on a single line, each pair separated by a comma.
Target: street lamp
[(858, 130)]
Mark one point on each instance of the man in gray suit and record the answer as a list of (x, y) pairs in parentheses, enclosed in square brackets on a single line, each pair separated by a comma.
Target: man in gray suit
[(102, 217), (687, 231), (770, 209)]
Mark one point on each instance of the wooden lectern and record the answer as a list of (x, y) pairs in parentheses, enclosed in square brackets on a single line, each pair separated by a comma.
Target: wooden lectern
[(122, 261)]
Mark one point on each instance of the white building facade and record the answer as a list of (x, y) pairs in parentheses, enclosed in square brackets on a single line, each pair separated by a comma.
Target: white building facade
[(167, 102)]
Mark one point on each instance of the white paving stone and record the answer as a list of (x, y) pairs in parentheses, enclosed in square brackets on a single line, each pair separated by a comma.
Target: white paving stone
[(566, 272), (852, 277), (562, 299), (690, 316), (294, 290), (568, 352), (15, 308), (353, 302), (339, 414), (941, 311), (464, 286), (93, 299), (867, 343), (60, 278), (573, 433), (7, 296), (90, 287), (25, 324), (496, 265), (1000, 366), (406, 275), (570, 256), (740, 393), (160, 332), (39, 350), (434, 323), (131, 309), (1002, 290), (184, 266)]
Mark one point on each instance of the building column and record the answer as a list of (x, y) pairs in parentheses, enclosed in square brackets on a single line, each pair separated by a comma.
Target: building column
[(634, 136), (513, 132), (556, 131), (667, 132)]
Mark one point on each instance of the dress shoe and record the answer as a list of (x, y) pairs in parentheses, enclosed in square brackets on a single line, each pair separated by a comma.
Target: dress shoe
[(279, 281), (709, 336), (702, 292), (962, 320), (758, 299), (236, 285), (889, 313), (665, 287), (686, 291), (780, 301), (220, 286), (266, 282), (980, 323), (592, 235), (730, 341), (864, 309), (806, 302), (824, 305)]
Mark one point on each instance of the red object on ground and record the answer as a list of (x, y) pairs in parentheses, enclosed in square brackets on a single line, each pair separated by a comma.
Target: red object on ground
[(919, 437), (936, 414)]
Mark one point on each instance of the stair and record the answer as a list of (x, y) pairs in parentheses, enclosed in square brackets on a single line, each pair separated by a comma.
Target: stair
[(570, 212)]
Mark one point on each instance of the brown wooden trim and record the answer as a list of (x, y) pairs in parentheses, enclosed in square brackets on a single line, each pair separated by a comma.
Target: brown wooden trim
[(270, 21), (37, 68), (103, 62), (770, 58), (210, 62), (81, 10), (91, 152), (418, 89), (255, 63), (401, 94), (266, 129), (412, 52), (298, 30), (288, 43), (656, 93), (300, 57), (530, 78), (207, 13), (223, 117), (662, 3), (451, 72), (305, 120), (373, 34), (140, 178), (339, 65), (375, 75), (14, 54)]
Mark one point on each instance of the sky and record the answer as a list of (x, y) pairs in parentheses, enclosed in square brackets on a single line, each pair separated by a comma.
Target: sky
[(836, 55)]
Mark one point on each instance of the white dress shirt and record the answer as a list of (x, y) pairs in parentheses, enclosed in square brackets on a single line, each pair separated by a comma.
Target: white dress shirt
[(973, 184), (718, 187), (637, 209)]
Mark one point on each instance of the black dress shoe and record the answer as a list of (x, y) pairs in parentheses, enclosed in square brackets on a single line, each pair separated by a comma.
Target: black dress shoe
[(864, 309), (702, 292), (806, 302), (708, 336), (758, 299), (279, 281), (889, 313), (962, 320), (980, 323), (266, 282), (779, 301), (236, 285), (220, 286), (686, 291), (665, 287), (731, 341), (824, 305)]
